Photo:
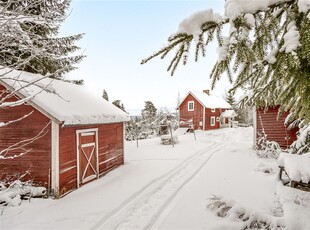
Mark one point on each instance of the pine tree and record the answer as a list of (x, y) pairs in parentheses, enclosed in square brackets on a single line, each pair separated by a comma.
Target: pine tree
[(267, 48), (119, 105), (105, 95), (149, 112), (35, 46)]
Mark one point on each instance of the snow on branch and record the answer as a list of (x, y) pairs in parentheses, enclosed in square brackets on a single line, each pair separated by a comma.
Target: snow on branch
[(291, 38), (2, 124), (193, 24)]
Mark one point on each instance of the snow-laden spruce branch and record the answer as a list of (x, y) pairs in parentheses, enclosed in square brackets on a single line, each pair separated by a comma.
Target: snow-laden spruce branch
[(29, 42), (265, 51)]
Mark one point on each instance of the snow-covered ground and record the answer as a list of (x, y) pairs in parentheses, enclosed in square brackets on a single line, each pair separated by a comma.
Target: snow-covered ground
[(161, 187)]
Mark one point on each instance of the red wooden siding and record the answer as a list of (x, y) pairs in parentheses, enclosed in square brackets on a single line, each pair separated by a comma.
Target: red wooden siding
[(208, 115), (110, 152), (273, 127), (37, 161), (196, 114), (111, 148)]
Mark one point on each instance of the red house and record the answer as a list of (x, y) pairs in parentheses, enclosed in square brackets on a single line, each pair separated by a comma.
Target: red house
[(67, 136), (203, 111), (267, 123)]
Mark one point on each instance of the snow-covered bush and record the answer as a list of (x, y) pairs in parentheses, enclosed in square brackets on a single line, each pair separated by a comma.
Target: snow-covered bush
[(302, 144), (267, 149)]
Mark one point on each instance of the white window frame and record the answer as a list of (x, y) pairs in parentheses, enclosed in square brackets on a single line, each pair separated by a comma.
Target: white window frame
[(212, 118), (190, 102), (213, 110)]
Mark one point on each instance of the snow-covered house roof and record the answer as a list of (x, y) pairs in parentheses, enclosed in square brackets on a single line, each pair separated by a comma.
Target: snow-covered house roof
[(67, 103), (229, 113), (209, 101)]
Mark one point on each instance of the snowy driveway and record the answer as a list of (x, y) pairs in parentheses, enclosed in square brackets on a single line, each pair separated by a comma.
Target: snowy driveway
[(160, 187), (143, 209)]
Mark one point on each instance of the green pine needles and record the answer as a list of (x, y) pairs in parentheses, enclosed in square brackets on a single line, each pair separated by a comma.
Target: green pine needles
[(266, 53), (29, 37)]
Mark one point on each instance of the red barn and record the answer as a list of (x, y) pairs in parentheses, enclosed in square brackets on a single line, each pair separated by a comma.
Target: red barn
[(266, 121), (67, 137), (203, 111)]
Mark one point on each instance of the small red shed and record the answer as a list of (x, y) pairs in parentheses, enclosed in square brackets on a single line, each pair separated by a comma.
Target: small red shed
[(268, 123), (72, 136), (202, 110)]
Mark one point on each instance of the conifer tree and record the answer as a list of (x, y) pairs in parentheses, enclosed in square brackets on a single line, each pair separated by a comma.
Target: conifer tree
[(266, 49), (35, 46), (119, 105), (105, 95), (149, 112)]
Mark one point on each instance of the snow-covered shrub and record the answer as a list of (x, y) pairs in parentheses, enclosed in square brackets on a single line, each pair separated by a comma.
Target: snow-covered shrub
[(267, 149), (235, 212), (302, 144)]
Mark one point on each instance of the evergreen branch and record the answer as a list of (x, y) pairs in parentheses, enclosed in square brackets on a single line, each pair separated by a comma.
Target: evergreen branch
[(168, 48)]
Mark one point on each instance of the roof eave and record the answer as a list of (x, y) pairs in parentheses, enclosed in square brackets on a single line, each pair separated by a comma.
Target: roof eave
[(33, 104)]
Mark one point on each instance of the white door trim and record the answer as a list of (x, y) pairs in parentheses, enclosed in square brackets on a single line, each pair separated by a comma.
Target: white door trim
[(55, 158), (85, 132)]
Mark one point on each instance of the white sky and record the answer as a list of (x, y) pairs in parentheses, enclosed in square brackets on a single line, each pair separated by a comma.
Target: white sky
[(119, 34)]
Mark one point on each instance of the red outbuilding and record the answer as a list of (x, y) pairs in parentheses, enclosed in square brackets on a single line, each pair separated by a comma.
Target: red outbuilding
[(67, 136), (269, 124), (203, 111)]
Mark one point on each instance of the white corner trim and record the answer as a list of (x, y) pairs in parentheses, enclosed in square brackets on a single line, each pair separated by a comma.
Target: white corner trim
[(55, 157), (203, 118), (255, 126)]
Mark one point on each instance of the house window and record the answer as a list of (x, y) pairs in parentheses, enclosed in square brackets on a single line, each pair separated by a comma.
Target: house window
[(212, 110), (212, 121), (190, 106)]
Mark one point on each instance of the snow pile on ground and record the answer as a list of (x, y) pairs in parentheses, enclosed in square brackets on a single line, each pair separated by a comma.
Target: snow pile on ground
[(236, 212), (296, 207), (296, 166), (165, 187), (18, 191)]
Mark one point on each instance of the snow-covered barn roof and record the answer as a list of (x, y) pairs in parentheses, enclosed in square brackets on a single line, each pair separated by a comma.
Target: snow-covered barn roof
[(229, 113), (68, 103), (209, 101)]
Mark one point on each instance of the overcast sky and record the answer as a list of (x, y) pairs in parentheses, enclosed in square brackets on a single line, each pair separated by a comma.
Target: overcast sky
[(119, 34)]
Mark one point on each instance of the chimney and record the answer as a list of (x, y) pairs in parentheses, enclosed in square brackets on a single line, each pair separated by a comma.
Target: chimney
[(207, 91)]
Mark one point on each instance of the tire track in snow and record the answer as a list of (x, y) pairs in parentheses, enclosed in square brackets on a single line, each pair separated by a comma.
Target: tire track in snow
[(143, 208)]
